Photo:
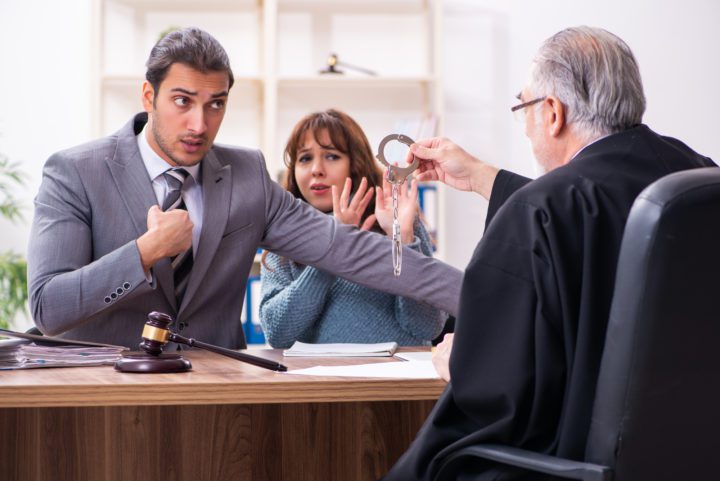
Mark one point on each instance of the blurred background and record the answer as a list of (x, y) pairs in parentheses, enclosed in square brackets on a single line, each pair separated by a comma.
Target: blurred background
[(71, 71)]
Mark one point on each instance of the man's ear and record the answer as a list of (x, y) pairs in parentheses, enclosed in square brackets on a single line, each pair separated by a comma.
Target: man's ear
[(148, 96), (557, 116)]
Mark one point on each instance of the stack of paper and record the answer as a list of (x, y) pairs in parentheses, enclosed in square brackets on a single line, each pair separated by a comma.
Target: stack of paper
[(30, 351), (382, 349)]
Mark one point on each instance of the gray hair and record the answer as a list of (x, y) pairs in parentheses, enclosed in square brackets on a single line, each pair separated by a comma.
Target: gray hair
[(596, 77), (190, 46)]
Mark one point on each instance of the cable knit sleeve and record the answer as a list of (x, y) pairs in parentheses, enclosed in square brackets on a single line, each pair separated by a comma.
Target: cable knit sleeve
[(293, 299), (416, 318)]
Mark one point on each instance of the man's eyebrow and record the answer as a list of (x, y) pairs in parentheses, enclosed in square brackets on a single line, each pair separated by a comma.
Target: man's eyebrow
[(190, 93), (184, 91)]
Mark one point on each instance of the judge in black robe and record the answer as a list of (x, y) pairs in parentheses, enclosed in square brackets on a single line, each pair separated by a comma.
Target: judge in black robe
[(534, 307)]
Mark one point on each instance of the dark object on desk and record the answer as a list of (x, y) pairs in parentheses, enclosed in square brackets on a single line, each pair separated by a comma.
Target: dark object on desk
[(142, 362), (655, 414), (333, 63), (157, 334), (41, 340)]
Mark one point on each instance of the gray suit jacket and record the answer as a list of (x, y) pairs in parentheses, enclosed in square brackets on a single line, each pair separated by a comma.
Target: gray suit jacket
[(86, 280)]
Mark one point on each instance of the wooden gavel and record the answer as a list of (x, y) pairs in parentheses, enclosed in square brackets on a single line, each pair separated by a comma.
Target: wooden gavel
[(157, 334)]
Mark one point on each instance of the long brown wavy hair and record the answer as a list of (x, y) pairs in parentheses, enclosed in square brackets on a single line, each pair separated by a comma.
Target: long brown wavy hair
[(345, 136)]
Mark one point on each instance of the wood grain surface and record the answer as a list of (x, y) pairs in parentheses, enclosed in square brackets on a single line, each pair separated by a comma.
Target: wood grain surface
[(214, 380), (222, 421)]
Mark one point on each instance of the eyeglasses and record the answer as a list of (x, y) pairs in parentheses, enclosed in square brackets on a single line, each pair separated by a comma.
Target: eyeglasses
[(519, 110)]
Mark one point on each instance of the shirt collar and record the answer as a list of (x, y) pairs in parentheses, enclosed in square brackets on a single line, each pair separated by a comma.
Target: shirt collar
[(588, 145), (155, 164)]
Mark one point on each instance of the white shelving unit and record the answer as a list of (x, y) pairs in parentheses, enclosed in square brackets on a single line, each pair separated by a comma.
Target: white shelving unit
[(276, 49)]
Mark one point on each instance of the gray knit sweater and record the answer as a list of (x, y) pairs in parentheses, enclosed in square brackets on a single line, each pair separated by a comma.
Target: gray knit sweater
[(302, 303)]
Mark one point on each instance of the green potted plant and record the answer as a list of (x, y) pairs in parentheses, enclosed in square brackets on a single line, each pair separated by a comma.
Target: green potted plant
[(13, 268)]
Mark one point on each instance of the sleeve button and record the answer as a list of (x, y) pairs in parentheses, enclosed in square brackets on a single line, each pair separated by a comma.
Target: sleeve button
[(107, 300), (126, 286)]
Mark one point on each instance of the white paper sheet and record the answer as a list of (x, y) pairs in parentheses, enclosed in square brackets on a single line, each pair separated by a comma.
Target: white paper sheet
[(414, 355), (394, 370), (341, 349)]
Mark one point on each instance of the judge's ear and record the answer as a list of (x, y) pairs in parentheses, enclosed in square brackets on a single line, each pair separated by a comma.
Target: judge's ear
[(148, 96), (556, 114)]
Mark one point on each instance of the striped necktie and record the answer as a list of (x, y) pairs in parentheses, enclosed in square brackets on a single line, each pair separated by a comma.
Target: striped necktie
[(183, 262), (175, 179)]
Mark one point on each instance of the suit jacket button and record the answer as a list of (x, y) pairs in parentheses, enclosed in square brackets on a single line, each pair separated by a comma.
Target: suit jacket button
[(181, 326)]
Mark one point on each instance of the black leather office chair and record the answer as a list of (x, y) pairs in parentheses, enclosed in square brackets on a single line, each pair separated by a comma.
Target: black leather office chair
[(657, 407)]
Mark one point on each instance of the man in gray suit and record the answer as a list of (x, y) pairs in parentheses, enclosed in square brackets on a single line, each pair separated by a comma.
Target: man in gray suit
[(103, 252)]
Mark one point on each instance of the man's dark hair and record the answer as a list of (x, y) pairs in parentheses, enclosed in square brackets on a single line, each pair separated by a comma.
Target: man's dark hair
[(190, 46)]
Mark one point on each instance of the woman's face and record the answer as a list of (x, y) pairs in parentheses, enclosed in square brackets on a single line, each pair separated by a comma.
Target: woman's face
[(318, 168)]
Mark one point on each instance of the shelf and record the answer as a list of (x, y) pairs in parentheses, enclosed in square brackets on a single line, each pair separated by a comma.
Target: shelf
[(277, 48), (353, 82), (119, 80), (189, 4), (355, 6)]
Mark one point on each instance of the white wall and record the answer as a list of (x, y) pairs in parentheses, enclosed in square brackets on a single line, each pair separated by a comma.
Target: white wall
[(489, 46), (45, 85), (45, 81)]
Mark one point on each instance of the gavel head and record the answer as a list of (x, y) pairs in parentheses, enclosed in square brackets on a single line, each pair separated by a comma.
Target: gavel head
[(156, 333)]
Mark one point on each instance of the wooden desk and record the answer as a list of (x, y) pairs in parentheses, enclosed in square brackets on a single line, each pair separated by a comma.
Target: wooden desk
[(225, 420)]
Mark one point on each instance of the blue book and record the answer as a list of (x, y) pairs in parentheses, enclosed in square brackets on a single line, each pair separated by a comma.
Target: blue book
[(253, 330)]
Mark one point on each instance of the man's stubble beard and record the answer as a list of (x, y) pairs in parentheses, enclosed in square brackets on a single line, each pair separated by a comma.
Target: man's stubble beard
[(160, 141)]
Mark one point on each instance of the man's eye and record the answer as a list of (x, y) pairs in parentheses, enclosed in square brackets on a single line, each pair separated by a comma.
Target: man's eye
[(180, 101), (218, 104)]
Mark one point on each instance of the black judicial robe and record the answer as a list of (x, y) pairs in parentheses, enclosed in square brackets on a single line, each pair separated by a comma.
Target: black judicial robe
[(534, 306)]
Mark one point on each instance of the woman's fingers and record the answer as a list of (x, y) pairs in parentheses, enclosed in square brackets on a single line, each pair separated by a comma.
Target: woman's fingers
[(365, 200), (369, 222), (345, 195), (335, 200), (359, 195)]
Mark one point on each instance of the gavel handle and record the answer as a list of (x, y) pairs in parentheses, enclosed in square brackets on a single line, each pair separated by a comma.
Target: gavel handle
[(240, 356)]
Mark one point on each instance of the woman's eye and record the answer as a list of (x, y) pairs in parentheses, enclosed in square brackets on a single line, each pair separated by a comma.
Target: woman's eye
[(304, 158), (332, 156)]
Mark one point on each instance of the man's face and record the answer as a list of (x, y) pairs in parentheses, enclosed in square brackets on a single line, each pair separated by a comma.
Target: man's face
[(535, 131), (185, 113)]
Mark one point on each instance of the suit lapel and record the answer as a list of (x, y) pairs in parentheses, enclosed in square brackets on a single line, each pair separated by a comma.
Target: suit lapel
[(217, 187), (132, 180)]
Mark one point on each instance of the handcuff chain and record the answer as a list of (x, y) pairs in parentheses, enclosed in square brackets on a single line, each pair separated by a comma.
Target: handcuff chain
[(396, 239), (396, 176)]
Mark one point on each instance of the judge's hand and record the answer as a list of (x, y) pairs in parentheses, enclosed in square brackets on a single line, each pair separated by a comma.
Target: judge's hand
[(349, 211), (441, 357), (441, 159), (169, 233), (407, 208)]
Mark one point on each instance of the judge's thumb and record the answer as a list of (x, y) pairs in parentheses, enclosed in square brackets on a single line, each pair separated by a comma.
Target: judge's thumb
[(424, 153)]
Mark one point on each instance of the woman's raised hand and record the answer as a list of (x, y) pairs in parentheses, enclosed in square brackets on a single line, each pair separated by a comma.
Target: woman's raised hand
[(349, 211)]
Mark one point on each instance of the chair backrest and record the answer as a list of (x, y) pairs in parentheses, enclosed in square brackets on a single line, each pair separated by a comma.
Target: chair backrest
[(657, 406)]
